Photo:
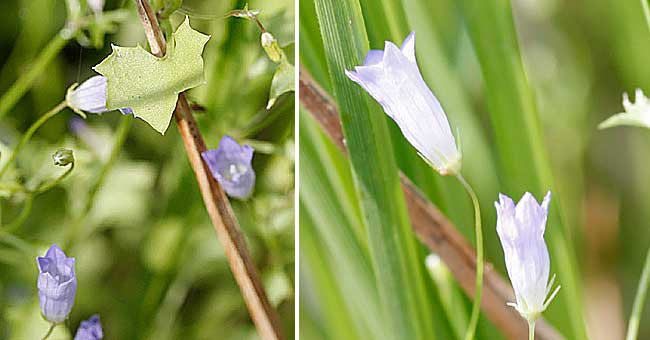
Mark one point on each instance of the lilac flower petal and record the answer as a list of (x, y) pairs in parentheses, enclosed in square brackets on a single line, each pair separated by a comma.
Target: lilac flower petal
[(230, 165), (373, 57), (90, 329), (90, 96), (57, 284), (396, 83), (77, 125), (408, 47), (521, 231), (126, 111)]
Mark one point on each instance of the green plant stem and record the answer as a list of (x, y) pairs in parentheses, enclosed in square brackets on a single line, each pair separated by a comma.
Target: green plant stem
[(47, 186), (121, 134), (476, 308), (639, 300), (49, 332), (25, 81), (22, 217), (646, 12), (30, 132), (531, 330)]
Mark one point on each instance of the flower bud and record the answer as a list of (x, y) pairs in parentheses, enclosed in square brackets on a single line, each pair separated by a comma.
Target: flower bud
[(63, 157), (271, 47), (96, 5), (57, 284)]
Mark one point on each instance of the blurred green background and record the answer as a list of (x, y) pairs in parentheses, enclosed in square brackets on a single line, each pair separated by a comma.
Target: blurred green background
[(147, 258), (525, 83)]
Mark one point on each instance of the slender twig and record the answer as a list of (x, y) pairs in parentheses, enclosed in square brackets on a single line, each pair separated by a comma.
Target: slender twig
[(435, 231), (215, 200), (639, 300), (32, 129)]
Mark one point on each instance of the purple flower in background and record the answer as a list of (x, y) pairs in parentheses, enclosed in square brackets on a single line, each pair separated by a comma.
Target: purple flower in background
[(392, 78), (521, 230), (57, 284), (90, 96), (230, 164), (90, 329)]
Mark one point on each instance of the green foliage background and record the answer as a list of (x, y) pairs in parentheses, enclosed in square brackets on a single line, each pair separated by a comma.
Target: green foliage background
[(525, 83), (148, 259)]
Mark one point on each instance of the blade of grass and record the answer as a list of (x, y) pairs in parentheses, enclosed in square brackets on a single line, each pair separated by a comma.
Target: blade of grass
[(332, 301), (338, 228), (520, 143), (399, 273)]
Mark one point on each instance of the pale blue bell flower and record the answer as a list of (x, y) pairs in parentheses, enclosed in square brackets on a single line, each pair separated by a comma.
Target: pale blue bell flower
[(521, 231), (57, 284), (90, 96), (231, 166), (393, 79)]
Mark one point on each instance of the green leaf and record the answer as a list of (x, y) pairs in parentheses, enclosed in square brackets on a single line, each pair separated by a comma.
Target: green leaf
[(150, 85), (283, 81), (394, 254)]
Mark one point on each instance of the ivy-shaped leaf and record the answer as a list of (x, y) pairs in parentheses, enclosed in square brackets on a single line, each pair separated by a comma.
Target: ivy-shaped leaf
[(150, 85)]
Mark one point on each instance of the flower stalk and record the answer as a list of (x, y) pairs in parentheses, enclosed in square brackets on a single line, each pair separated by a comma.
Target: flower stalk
[(639, 300), (30, 132), (478, 229)]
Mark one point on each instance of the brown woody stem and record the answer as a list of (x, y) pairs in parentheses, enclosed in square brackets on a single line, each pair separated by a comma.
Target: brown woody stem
[(215, 200)]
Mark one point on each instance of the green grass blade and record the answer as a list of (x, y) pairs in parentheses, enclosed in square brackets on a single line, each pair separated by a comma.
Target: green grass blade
[(325, 198), (523, 159), (399, 273)]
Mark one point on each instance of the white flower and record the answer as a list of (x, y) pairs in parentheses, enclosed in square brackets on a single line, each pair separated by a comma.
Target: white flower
[(636, 114), (392, 78), (521, 230)]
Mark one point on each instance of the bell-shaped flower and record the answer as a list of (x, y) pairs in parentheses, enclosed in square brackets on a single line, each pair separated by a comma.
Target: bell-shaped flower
[(636, 114), (393, 79), (521, 230), (90, 329), (230, 165), (57, 284), (90, 96)]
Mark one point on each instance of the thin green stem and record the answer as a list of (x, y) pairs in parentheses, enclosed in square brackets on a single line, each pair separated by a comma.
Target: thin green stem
[(531, 330), (25, 81), (639, 300), (476, 308), (49, 185), (72, 233), (30, 132), (24, 213), (49, 332), (646, 12)]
